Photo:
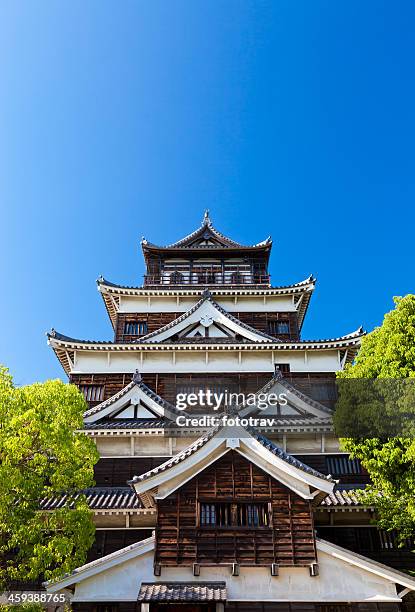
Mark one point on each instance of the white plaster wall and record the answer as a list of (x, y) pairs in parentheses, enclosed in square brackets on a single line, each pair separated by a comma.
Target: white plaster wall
[(303, 443), (132, 304), (120, 446), (195, 361), (338, 582)]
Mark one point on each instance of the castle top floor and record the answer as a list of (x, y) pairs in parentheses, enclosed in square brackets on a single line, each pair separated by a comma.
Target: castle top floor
[(206, 258)]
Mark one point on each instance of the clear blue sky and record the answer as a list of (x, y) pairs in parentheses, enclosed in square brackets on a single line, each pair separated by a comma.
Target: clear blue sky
[(123, 119)]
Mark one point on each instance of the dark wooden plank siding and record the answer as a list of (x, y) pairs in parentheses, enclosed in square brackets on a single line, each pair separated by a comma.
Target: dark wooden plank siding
[(373, 543), (115, 472), (319, 386), (109, 540), (288, 541)]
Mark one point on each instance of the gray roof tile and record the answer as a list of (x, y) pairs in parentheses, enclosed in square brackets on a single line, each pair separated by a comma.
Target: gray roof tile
[(182, 591)]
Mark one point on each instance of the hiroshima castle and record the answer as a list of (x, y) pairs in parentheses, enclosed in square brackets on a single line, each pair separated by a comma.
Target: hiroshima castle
[(199, 518)]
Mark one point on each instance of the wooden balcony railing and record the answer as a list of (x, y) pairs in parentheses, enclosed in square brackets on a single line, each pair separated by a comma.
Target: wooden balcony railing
[(205, 279)]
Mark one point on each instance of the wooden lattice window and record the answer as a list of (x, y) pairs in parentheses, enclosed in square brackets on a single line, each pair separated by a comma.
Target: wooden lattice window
[(276, 328), (135, 328), (229, 514), (92, 393)]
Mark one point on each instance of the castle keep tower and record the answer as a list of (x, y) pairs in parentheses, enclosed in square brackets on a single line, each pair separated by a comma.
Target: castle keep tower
[(238, 516)]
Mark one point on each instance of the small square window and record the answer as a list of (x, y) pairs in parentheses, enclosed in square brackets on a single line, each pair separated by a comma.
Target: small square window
[(277, 328), (92, 393)]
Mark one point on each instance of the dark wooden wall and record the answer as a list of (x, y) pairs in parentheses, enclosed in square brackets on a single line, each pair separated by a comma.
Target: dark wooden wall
[(108, 541), (373, 543), (115, 472), (257, 320), (288, 541), (319, 386)]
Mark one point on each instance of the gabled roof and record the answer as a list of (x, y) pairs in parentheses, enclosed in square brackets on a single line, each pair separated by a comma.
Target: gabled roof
[(310, 409), (206, 237), (136, 392), (172, 474), (207, 312)]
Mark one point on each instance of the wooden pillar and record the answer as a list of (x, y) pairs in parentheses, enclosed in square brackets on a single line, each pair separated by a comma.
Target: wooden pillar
[(145, 607), (220, 606)]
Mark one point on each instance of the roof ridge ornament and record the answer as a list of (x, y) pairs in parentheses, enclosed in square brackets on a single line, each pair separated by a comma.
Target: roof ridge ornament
[(206, 219), (206, 294), (137, 378)]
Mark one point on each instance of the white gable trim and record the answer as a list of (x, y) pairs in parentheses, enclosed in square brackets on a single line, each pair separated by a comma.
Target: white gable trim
[(101, 565), (166, 481), (364, 563)]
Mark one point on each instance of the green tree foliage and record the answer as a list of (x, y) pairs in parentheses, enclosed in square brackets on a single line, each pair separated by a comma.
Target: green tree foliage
[(41, 455), (381, 407)]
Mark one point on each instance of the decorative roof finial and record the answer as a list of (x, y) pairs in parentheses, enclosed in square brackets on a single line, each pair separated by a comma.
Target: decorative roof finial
[(137, 378), (206, 218)]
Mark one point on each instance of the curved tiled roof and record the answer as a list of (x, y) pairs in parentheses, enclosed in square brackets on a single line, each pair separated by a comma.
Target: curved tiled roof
[(125, 498), (298, 344), (310, 280), (182, 591), (206, 230), (98, 498), (63, 345), (344, 497), (128, 424)]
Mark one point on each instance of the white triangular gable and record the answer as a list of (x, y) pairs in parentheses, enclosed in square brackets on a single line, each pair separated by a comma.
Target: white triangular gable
[(135, 411), (132, 402), (207, 319)]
